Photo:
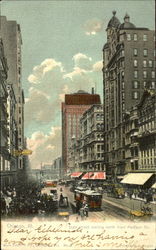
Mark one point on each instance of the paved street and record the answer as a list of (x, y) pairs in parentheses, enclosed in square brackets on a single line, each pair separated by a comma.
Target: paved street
[(113, 209)]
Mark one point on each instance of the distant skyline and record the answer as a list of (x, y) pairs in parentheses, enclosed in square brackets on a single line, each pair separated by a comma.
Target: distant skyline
[(62, 53)]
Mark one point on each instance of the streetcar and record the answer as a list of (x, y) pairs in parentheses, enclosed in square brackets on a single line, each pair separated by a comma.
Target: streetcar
[(50, 183), (91, 197)]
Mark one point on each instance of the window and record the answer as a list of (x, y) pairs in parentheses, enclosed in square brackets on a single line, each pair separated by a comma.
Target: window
[(102, 126), (98, 147), (144, 37), (123, 85), (150, 63), (98, 155), (135, 74), (135, 37), (144, 74), (153, 74), (135, 95), (145, 52), (144, 63), (102, 117), (135, 85), (123, 106), (135, 63), (122, 52), (144, 84), (97, 117), (98, 126), (135, 52), (152, 85), (128, 37)]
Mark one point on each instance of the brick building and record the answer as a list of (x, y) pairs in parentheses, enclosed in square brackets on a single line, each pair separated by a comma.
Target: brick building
[(72, 109)]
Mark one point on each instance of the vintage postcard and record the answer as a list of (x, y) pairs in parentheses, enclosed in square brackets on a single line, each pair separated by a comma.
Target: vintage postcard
[(77, 124)]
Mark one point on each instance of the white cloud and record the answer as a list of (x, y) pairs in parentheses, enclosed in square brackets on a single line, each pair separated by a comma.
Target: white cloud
[(76, 72), (93, 26), (44, 146), (82, 61), (39, 71), (80, 56), (39, 107), (98, 66), (43, 104), (65, 91)]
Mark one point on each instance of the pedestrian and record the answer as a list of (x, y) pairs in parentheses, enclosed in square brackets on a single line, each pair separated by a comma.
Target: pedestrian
[(86, 209), (82, 213), (61, 198)]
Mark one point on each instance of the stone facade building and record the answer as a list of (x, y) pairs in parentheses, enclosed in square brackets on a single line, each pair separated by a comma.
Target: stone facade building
[(91, 139), (4, 132), (86, 153), (129, 67), (147, 131), (130, 128), (12, 42)]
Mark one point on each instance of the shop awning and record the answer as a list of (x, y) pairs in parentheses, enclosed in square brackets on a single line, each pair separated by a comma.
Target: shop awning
[(136, 178), (99, 176), (76, 174), (154, 186), (87, 176)]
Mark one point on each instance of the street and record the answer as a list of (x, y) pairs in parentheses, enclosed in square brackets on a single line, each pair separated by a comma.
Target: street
[(112, 209)]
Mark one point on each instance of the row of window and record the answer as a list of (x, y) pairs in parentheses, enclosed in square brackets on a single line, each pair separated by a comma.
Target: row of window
[(100, 147), (144, 74), (136, 85), (100, 126), (100, 155), (145, 63), (135, 52), (134, 37), (99, 117), (149, 152), (135, 95)]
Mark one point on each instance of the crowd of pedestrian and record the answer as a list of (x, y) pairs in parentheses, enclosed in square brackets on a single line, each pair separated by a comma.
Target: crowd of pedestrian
[(28, 200)]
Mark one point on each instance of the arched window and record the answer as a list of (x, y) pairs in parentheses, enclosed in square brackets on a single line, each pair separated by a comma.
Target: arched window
[(98, 126), (102, 126), (97, 117)]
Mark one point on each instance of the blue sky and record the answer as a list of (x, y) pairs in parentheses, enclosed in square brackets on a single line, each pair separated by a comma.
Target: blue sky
[(62, 53)]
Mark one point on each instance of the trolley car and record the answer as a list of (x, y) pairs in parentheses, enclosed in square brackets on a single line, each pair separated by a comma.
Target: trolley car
[(92, 198)]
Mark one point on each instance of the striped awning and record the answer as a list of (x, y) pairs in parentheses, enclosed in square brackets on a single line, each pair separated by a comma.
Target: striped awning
[(76, 174), (99, 176), (87, 176)]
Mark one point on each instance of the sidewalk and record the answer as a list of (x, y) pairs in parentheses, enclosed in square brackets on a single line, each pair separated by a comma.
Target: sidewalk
[(128, 204)]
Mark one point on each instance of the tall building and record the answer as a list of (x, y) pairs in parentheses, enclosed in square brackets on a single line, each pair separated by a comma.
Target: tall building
[(4, 132), (72, 109), (147, 131), (11, 36), (129, 67), (86, 154)]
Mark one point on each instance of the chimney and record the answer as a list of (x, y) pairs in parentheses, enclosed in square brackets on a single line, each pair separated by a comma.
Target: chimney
[(92, 91)]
